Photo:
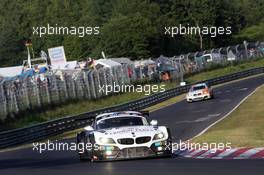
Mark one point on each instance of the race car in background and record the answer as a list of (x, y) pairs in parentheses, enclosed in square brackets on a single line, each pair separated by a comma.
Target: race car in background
[(124, 135), (201, 91)]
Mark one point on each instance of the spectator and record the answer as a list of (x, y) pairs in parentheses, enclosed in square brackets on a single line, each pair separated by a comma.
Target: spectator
[(129, 70), (165, 76)]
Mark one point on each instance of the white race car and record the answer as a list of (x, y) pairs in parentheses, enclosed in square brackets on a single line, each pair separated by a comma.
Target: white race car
[(201, 91), (124, 135)]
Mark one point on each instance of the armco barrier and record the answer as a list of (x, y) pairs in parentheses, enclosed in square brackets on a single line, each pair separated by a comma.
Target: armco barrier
[(51, 128)]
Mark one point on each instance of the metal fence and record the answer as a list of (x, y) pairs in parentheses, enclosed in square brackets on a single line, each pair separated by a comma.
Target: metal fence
[(56, 87), (58, 126), (193, 62)]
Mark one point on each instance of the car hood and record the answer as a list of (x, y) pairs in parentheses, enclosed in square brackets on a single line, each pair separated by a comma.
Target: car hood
[(195, 92), (128, 132)]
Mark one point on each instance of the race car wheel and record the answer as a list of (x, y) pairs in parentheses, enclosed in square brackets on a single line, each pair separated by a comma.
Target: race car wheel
[(87, 155), (169, 134), (169, 141), (80, 140)]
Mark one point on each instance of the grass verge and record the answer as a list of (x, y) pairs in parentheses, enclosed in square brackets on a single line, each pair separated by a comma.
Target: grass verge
[(244, 126)]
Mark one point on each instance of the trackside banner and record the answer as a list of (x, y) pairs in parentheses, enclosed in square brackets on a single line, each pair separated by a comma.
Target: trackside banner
[(57, 56)]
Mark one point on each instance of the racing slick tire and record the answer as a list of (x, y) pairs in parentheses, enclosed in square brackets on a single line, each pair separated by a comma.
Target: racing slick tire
[(170, 142), (85, 155)]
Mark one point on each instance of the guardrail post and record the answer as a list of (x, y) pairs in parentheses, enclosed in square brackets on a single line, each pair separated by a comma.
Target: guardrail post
[(124, 74), (257, 44), (45, 91), (3, 103), (109, 77), (70, 86), (92, 84), (64, 84), (53, 89), (33, 92), (97, 84), (79, 84), (22, 95), (237, 49), (61, 86), (115, 77), (11, 97), (87, 85), (102, 80), (227, 49), (246, 49), (219, 50)]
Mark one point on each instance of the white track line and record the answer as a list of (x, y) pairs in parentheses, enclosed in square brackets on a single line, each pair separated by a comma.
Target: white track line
[(202, 132)]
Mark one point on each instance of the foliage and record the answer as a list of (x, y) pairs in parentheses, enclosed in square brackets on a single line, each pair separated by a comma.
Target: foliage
[(132, 29)]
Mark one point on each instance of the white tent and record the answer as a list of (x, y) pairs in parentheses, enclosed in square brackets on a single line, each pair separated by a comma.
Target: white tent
[(122, 60), (144, 62), (107, 63), (68, 65), (10, 71)]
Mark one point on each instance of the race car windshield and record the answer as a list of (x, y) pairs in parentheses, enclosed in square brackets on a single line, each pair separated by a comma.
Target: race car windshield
[(120, 122), (196, 88)]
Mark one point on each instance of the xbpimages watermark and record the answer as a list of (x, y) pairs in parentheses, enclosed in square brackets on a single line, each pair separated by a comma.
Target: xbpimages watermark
[(123, 88), (191, 30), (213, 146), (80, 31), (82, 147)]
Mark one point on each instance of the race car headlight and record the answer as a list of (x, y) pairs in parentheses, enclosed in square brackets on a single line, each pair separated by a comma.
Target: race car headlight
[(205, 91), (189, 95), (158, 136), (104, 140)]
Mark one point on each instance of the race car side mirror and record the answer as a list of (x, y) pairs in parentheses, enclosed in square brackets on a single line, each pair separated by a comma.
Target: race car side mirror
[(89, 128), (154, 122)]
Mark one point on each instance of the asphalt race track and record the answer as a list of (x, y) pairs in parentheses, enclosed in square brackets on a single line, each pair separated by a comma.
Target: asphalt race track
[(185, 120)]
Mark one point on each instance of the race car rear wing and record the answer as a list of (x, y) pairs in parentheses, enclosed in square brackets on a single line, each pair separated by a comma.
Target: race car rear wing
[(110, 114), (103, 115)]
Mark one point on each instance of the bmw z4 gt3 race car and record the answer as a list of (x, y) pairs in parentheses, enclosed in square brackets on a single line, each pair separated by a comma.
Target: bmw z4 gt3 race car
[(201, 91), (124, 135)]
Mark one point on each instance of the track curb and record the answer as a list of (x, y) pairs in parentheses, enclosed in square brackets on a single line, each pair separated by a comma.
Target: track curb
[(233, 153)]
